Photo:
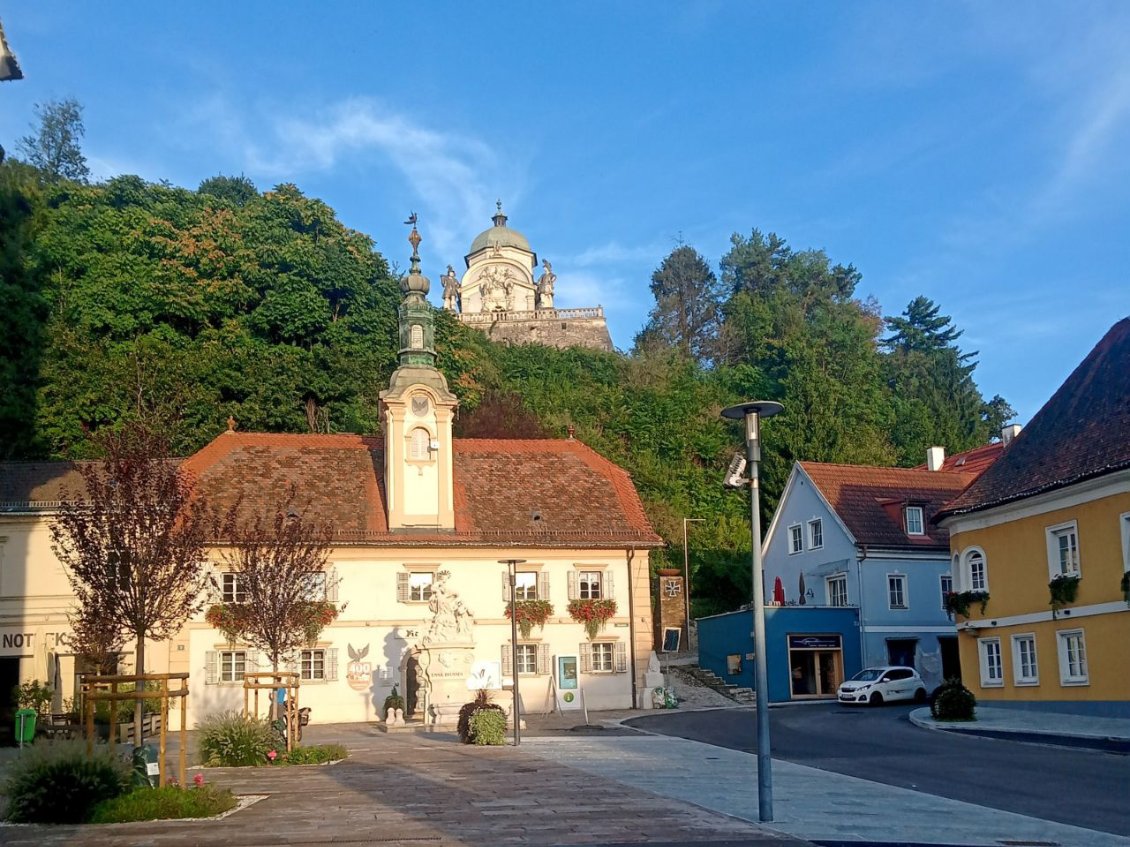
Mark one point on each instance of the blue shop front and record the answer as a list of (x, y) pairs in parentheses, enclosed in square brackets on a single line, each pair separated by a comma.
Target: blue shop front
[(810, 650)]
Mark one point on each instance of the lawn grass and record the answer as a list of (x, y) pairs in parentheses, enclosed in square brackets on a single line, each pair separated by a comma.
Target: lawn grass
[(314, 755), (168, 803)]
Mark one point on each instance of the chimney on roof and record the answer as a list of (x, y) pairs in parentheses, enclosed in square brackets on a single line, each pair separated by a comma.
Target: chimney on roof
[(1008, 433), (935, 457)]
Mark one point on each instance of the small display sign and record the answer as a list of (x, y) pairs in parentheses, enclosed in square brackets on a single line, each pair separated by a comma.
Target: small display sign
[(568, 683), (814, 642)]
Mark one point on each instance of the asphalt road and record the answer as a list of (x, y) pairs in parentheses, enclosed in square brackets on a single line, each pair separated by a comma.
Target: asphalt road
[(1086, 788)]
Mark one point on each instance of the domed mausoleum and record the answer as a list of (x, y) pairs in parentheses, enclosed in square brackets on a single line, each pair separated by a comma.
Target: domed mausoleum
[(500, 294)]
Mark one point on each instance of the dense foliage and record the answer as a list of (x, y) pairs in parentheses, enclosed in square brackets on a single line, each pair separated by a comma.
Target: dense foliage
[(56, 782), (129, 299), (230, 740), (168, 803), (952, 701)]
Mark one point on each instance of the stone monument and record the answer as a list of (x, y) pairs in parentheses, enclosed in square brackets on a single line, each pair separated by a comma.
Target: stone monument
[(447, 652)]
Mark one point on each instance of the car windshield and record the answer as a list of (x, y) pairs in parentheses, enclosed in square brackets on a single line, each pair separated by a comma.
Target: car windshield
[(868, 675)]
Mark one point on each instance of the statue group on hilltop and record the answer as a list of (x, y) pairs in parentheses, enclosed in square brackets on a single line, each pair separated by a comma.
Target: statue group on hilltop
[(496, 287)]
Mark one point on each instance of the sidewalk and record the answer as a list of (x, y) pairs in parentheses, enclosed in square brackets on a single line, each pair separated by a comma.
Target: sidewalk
[(1072, 730)]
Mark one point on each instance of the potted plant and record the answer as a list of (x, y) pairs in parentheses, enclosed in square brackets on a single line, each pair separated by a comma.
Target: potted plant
[(959, 602), (594, 614), (394, 706), (1063, 589), (530, 612)]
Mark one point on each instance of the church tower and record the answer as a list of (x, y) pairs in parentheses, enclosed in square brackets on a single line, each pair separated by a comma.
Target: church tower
[(417, 409)]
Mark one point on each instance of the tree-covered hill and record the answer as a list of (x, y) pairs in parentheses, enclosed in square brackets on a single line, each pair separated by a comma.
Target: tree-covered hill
[(130, 299)]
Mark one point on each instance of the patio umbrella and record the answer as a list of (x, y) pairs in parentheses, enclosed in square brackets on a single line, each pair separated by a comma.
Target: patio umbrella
[(778, 591), (802, 589)]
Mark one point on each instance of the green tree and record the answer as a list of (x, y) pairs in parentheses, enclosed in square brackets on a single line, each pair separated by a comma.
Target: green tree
[(54, 145), (688, 306), (237, 190)]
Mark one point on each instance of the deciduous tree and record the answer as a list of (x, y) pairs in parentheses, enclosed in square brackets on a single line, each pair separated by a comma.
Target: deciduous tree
[(133, 544), (55, 143)]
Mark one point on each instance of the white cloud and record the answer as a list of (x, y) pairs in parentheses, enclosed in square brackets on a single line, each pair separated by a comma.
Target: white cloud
[(614, 252), (455, 177)]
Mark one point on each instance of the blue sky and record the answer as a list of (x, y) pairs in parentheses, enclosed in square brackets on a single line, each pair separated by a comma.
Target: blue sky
[(975, 153)]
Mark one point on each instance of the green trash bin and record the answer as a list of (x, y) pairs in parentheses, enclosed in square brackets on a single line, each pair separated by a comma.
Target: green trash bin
[(25, 726)]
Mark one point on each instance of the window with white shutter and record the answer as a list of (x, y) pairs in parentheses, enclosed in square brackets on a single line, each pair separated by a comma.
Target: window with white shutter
[(621, 657), (507, 661), (543, 659), (211, 667)]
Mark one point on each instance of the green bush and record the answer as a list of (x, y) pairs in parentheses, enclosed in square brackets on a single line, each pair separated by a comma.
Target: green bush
[(229, 740), (488, 726), (463, 727), (55, 782), (168, 803), (952, 701), (315, 755)]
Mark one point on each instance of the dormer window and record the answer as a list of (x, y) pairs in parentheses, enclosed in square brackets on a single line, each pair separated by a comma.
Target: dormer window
[(915, 522)]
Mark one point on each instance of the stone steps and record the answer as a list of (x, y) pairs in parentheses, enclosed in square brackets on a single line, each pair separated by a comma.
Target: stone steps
[(695, 675)]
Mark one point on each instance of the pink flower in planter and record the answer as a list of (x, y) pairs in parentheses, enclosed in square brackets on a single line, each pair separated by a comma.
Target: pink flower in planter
[(198, 780), (272, 755)]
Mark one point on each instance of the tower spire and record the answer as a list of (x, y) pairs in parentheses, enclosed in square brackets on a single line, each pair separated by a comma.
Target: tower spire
[(417, 323)]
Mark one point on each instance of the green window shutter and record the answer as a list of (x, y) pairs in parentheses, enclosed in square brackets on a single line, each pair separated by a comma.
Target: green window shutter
[(402, 590), (331, 663), (507, 663), (572, 585), (543, 659), (621, 657), (211, 667)]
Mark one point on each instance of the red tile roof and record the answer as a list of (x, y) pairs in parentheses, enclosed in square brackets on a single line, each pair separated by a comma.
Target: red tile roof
[(530, 493), (1082, 432), (975, 461), (870, 501)]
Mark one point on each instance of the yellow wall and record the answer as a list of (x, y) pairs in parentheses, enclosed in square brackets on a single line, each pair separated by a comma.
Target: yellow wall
[(1016, 555)]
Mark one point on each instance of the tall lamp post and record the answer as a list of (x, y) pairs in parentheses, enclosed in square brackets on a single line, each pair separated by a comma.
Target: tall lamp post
[(687, 574), (752, 412), (516, 710)]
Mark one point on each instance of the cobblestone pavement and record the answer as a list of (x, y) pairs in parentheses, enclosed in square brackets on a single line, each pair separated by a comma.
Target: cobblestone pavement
[(427, 790)]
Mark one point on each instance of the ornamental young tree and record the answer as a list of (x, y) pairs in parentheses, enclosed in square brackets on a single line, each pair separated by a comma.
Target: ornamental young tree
[(54, 146), (281, 583), (133, 546)]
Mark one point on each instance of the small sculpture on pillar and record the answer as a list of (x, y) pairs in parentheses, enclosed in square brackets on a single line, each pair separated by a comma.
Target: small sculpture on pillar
[(545, 286), (451, 290)]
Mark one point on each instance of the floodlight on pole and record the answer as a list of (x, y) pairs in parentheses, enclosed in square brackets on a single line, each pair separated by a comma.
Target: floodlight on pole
[(752, 412), (516, 709), (687, 575)]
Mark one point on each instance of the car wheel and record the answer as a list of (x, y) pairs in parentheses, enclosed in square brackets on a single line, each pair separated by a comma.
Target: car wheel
[(920, 695), (876, 699)]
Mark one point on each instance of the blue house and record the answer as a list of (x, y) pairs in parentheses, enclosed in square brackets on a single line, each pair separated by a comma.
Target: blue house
[(821, 641), (862, 537)]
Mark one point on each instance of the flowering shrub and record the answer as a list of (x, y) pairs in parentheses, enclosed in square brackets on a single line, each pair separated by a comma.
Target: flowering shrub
[(530, 612), (594, 614), (236, 620)]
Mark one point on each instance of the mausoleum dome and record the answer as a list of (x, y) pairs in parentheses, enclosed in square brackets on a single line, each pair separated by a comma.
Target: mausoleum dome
[(499, 234)]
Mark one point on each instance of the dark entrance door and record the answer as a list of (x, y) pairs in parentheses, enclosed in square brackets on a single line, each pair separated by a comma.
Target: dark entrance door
[(9, 679), (951, 657), (900, 651)]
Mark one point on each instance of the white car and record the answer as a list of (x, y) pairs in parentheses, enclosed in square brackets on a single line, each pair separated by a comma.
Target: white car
[(875, 686)]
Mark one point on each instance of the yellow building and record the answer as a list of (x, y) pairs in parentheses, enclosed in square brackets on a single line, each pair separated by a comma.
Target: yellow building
[(1045, 534)]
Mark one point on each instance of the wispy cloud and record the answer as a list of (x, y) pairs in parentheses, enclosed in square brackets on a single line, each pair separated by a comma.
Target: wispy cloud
[(454, 175), (613, 252)]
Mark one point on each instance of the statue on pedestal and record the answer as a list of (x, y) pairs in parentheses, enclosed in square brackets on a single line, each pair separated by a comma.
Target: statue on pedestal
[(450, 290), (545, 286)]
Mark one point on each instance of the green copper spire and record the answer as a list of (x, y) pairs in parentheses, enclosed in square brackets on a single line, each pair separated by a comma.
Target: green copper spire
[(417, 322)]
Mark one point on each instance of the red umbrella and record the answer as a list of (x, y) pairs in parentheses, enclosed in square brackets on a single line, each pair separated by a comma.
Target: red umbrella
[(778, 591)]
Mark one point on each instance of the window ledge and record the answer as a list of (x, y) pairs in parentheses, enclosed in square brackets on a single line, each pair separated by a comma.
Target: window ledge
[(1027, 683), (1074, 683)]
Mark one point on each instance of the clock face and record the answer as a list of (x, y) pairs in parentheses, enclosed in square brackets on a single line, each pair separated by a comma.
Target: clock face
[(419, 405)]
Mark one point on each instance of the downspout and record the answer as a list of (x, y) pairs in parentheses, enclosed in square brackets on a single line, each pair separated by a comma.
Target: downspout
[(631, 554), (861, 554)]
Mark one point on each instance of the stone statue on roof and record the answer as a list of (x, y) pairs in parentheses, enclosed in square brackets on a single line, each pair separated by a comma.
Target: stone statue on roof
[(545, 286), (451, 289)]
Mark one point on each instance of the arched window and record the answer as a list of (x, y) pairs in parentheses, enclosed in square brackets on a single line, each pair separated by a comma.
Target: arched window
[(418, 443), (976, 574)]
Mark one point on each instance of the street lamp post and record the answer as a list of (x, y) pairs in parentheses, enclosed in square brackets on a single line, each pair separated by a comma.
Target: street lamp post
[(752, 412), (687, 574), (516, 709)]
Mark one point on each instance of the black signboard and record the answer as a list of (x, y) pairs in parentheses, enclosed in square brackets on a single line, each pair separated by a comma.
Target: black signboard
[(814, 642)]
